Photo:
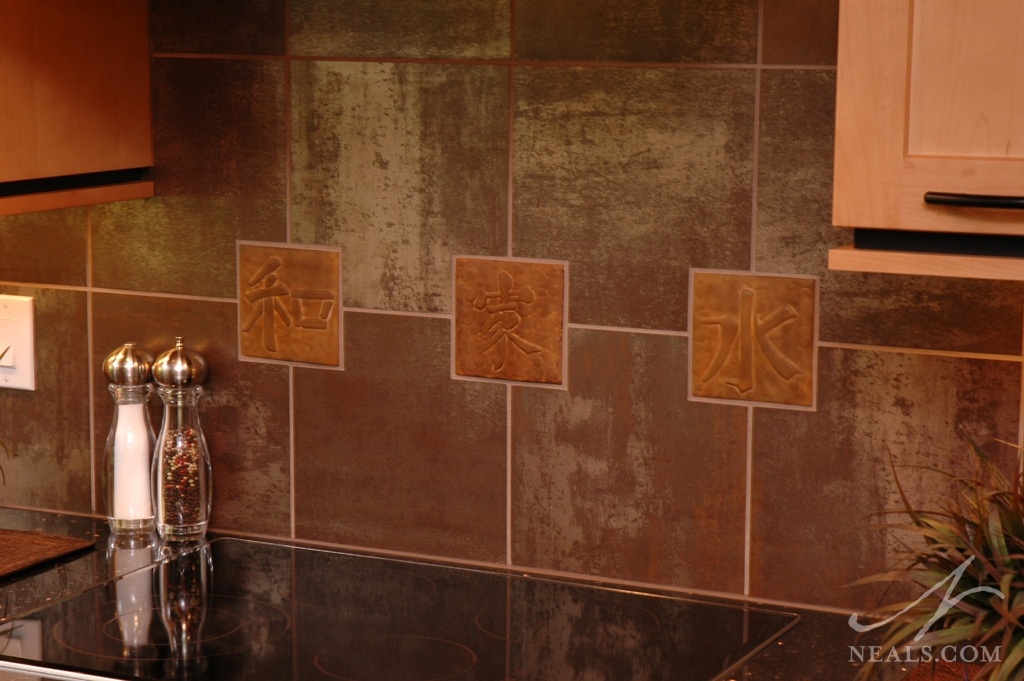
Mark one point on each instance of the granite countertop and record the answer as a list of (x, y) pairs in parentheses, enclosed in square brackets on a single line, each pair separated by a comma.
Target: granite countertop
[(817, 647)]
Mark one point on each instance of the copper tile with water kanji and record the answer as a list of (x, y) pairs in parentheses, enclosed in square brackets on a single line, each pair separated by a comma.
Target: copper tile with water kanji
[(510, 320), (753, 338)]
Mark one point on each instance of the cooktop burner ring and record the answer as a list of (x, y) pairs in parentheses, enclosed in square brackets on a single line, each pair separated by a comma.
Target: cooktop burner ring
[(221, 623), (361, 659)]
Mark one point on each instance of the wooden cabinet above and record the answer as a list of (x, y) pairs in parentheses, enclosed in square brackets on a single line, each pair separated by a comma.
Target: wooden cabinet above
[(75, 125), (930, 99)]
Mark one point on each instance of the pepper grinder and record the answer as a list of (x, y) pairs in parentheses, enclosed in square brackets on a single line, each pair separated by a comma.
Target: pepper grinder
[(182, 479), (129, 447)]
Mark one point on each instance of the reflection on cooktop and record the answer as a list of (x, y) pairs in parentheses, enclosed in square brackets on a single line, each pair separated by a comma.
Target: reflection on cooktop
[(236, 609)]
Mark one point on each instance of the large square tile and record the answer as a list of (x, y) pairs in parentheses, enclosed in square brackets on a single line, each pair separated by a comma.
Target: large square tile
[(621, 476), (633, 176), (244, 412), (821, 480), (403, 166), (392, 453)]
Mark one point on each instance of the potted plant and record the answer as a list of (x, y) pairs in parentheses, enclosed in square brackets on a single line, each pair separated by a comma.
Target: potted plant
[(969, 559)]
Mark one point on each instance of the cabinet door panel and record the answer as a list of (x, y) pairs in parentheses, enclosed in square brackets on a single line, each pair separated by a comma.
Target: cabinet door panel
[(930, 97), (967, 79), (74, 79)]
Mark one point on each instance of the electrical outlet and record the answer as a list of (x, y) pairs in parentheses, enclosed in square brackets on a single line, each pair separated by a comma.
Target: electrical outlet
[(17, 343)]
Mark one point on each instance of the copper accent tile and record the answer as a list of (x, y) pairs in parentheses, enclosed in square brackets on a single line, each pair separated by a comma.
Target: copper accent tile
[(634, 176), (621, 476), (289, 303), (392, 453), (637, 30), (819, 478), (509, 320), (244, 412), (753, 338), (404, 166)]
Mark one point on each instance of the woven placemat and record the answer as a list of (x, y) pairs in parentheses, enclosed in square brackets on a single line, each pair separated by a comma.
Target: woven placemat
[(20, 549)]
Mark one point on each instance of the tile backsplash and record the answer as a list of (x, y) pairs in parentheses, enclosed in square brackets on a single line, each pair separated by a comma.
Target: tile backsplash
[(622, 143)]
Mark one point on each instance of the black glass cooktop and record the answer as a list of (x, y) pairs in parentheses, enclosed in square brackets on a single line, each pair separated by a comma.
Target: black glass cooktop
[(238, 609)]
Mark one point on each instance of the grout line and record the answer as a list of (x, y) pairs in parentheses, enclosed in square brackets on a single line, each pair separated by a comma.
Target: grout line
[(756, 139), (510, 61), (399, 313), (510, 188), (921, 351), (157, 294), (287, 130), (291, 452), (508, 474), (510, 180), (288, 239), (748, 514), (91, 372), (626, 329)]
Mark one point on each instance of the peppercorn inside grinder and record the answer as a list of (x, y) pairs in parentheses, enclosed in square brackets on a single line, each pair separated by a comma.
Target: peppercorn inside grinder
[(129, 447), (182, 479)]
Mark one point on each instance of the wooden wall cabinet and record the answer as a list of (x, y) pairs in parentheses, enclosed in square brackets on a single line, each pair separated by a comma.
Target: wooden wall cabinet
[(75, 93), (930, 98)]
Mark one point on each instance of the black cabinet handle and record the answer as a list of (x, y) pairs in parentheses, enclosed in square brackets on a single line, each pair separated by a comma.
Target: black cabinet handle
[(974, 200)]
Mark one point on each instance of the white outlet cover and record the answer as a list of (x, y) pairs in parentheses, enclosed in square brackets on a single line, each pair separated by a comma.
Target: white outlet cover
[(17, 336)]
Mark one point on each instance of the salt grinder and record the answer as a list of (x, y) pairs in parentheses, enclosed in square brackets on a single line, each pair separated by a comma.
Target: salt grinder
[(182, 481), (129, 447)]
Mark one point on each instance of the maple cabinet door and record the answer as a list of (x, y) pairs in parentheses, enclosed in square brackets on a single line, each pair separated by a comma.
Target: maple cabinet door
[(74, 87), (930, 99)]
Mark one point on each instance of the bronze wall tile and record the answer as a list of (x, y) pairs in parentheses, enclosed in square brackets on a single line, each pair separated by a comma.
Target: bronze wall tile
[(223, 27), (622, 476), (47, 247), (753, 338), (634, 176), (403, 166), (47, 429), (967, 315), (244, 413), (400, 28), (289, 303), (794, 233), (391, 453), (509, 320), (637, 30), (818, 478), (794, 178), (219, 144), (799, 31)]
